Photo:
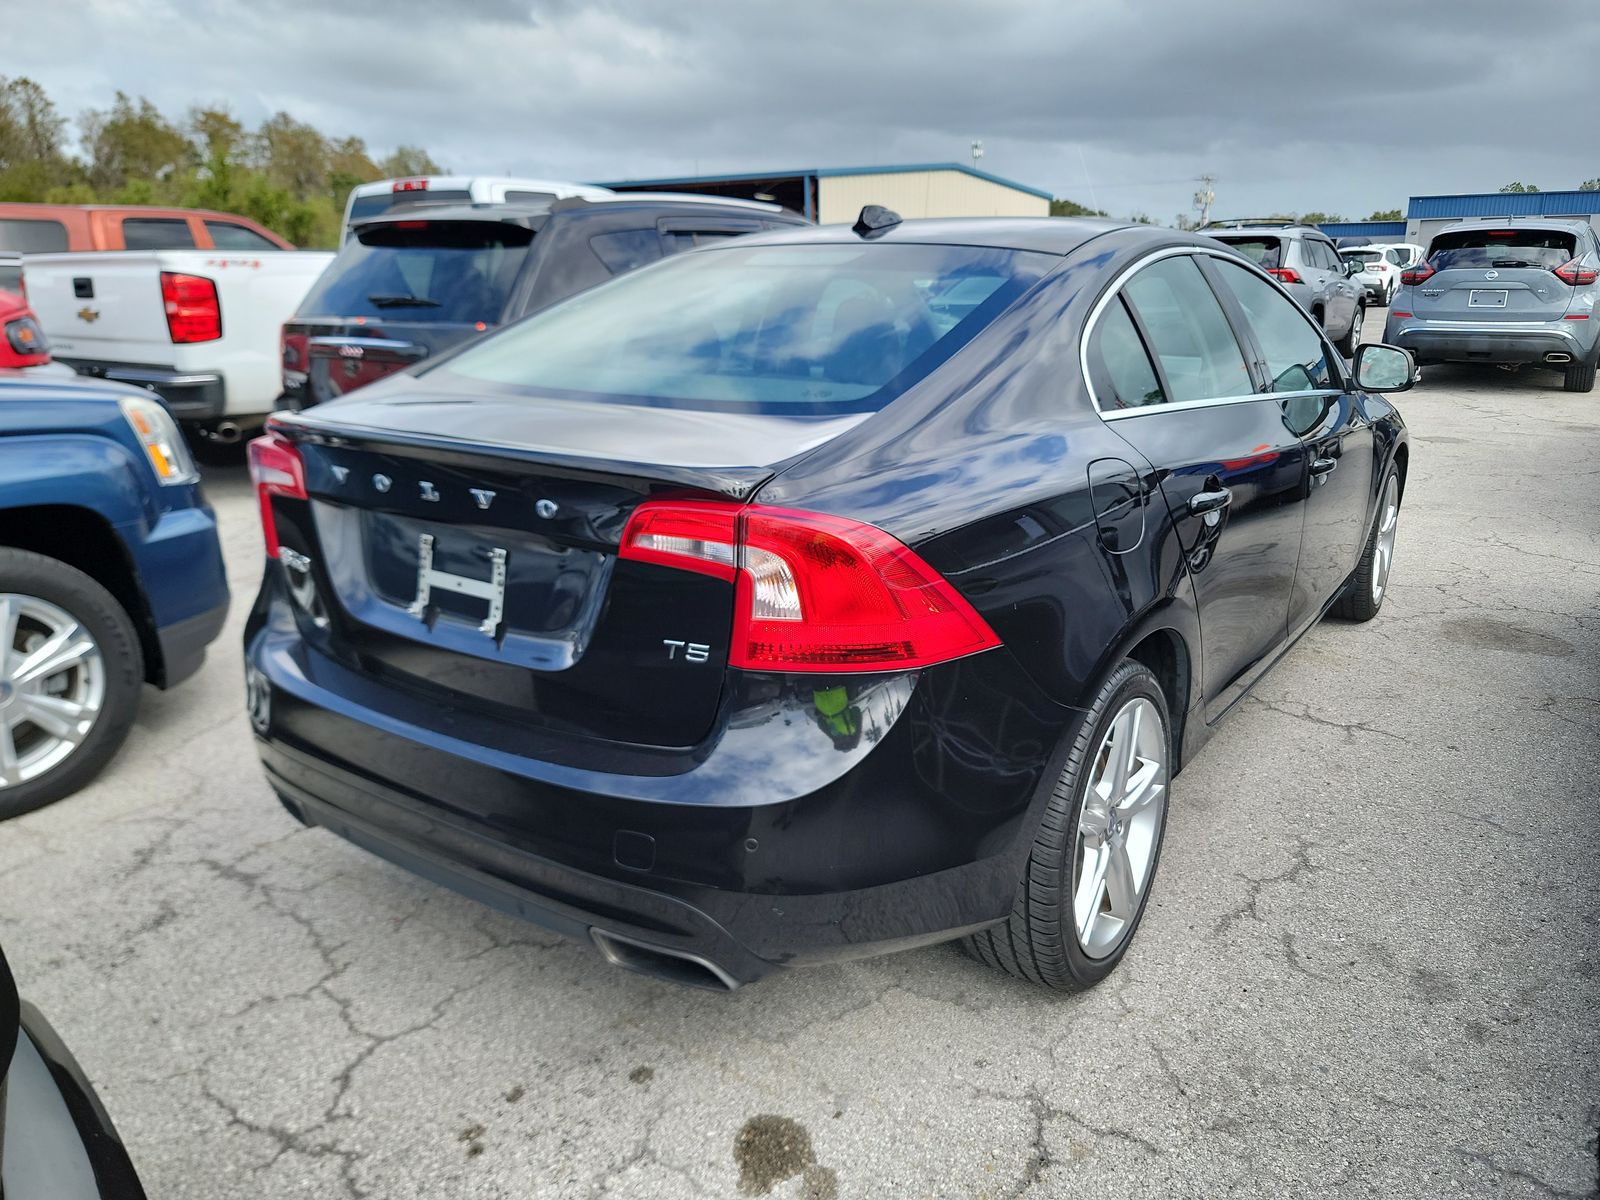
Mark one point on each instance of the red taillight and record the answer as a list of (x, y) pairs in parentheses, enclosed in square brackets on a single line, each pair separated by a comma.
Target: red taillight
[(1285, 274), (1420, 273), (193, 312), (410, 224), (277, 470), (812, 592), (1378, 267), (410, 185), (1576, 273)]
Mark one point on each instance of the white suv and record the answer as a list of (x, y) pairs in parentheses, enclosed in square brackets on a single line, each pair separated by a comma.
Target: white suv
[(1381, 264)]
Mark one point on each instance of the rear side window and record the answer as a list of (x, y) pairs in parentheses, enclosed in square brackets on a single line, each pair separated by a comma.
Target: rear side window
[(1189, 332), (526, 197), (1124, 375), (456, 272), (156, 233), (1265, 252), (625, 249), (1397, 257), (32, 235), (378, 204), (225, 235), (1544, 248), (801, 330), (1297, 357)]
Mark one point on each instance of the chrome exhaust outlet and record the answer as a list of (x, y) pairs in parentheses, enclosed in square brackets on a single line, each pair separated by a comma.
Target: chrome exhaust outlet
[(1557, 357), (226, 432), (674, 966)]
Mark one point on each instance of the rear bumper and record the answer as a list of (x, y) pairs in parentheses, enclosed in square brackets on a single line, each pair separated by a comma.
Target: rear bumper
[(1453, 341), (739, 860), (190, 395)]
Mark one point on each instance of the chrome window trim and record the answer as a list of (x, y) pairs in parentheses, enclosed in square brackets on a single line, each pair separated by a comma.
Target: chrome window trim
[(1092, 322)]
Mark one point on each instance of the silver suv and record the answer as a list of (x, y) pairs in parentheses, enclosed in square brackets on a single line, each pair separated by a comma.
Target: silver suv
[(1304, 260), (1505, 291)]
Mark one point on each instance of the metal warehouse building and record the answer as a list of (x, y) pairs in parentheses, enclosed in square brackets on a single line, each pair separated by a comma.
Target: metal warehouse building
[(1427, 215), (834, 194)]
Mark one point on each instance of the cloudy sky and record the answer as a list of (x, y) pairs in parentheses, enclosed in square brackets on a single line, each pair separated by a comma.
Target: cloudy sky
[(1121, 103)]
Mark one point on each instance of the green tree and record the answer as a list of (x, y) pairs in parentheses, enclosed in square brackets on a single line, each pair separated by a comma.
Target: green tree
[(31, 155), (1589, 185), (1319, 218), (1071, 208), (1387, 214), (1519, 187), (293, 154), (133, 144), (408, 160)]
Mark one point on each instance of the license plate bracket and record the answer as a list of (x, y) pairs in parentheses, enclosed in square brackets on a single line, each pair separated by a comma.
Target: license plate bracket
[(1486, 298), (492, 589)]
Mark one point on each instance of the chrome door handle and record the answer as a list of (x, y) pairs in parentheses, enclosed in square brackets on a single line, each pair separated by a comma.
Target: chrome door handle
[(1206, 502), (1321, 466)]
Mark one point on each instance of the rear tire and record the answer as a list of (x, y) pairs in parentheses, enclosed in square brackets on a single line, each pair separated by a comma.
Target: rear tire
[(1043, 939), (1369, 583), (40, 598), (1579, 377)]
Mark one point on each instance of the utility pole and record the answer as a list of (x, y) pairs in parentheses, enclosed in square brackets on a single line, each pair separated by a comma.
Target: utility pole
[(1205, 198), (977, 152)]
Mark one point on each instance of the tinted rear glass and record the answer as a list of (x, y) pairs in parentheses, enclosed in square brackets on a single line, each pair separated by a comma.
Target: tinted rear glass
[(1365, 256), (156, 233), (452, 272), (1544, 248), (802, 330), (32, 236), (1265, 252), (372, 206)]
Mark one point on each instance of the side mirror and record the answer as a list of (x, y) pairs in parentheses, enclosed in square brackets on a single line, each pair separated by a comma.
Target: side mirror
[(1381, 368)]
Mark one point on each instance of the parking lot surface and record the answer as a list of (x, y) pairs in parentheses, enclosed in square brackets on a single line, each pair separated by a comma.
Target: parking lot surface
[(1370, 965)]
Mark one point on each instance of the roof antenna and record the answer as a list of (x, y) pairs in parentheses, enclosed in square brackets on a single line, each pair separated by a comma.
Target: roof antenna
[(874, 219)]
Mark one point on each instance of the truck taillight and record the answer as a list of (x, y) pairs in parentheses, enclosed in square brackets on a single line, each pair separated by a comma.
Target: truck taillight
[(1284, 274), (193, 312), (276, 469), (1576, 273), (1420, 273), (812, 592)]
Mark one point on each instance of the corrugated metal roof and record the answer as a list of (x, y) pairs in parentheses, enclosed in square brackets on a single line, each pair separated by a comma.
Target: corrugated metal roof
[(1505, 204), (1340, 229), (823, 173)]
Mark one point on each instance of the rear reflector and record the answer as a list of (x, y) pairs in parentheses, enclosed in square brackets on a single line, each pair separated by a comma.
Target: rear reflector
[(1285, 274), (1576, 317), (1420, 273), (1399, 314), (812, 592), (277, 470), (1576, 273), (193, 311)]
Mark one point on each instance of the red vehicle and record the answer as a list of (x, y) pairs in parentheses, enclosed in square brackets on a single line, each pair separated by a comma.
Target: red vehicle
[(22, 342), (52, 228)]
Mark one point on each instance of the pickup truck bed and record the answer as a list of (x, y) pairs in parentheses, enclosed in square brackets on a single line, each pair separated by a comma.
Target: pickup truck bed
[(198, 327)]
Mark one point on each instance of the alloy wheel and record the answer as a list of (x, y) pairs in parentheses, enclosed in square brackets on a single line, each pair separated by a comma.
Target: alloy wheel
[(52, 686), (1383, 547), (1119, 827)]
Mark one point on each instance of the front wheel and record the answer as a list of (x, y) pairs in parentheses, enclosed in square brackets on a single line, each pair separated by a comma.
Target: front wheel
[(70, 673), (1352, 338), (1094, 857), (1364, 593)]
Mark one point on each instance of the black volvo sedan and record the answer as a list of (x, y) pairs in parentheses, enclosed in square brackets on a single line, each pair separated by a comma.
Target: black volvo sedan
[(822, 593)]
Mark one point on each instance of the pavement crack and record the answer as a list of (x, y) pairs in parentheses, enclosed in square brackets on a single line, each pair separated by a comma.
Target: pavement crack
[(1506, 1174), (1299, 865), (1349, 728)]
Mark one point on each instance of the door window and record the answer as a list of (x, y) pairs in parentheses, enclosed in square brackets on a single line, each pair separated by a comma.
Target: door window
[(625, 249), (31, 235), (1298, 360), (156, 233), (225, 235), (1123, 375), (1188, 331)]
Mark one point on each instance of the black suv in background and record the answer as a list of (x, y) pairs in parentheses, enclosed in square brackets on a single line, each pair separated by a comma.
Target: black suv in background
[(409, 285)]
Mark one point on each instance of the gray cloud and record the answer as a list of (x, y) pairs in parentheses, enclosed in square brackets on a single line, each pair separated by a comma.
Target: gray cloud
[(1346, 108)]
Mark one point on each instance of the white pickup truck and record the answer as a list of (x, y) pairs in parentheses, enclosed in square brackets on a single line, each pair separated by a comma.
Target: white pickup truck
[(200, 328)]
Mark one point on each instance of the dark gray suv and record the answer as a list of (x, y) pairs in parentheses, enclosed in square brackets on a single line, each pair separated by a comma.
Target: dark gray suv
[(1505, 291), (1305, 261)]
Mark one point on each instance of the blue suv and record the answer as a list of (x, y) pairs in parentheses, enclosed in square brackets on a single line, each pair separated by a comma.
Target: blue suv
[(111, 575)]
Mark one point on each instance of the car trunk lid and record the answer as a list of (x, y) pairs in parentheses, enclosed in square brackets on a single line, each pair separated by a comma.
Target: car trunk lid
[(1496, 276)]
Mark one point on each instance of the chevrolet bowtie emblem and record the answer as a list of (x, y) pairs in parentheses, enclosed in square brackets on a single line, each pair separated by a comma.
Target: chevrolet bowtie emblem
[(88, 315)]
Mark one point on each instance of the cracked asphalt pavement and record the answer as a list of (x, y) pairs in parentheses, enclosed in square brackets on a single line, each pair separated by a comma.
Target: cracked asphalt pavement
[(1370, 966)]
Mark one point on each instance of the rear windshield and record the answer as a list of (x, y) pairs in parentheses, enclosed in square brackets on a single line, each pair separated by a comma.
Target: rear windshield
[(1361, 255), (1265, 252), (1544, 248), (376, 205), (31, 235), (800, 330), (452, 272)]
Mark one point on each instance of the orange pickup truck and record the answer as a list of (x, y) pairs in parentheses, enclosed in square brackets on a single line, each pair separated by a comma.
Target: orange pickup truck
[(52, 228)]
